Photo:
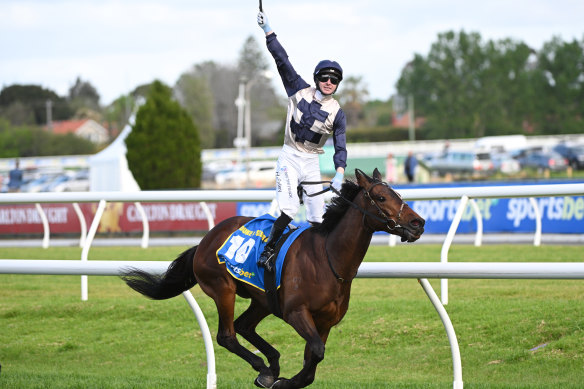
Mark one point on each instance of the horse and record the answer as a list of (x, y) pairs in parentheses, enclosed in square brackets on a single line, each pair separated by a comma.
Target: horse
[(316, 277)]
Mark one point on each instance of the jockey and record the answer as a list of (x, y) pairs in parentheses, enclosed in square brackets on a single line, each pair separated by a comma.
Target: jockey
[(313, 116)]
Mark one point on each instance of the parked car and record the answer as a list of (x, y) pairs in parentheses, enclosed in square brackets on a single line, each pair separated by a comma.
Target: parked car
[(504, 163), (37, 184), (541, 159), (69, 182), (211, 169), (461, 163), (261, 174), (574, 153), (78, 182)]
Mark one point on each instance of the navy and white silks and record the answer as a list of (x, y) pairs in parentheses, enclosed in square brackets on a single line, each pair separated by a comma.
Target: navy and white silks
[(311, 119)]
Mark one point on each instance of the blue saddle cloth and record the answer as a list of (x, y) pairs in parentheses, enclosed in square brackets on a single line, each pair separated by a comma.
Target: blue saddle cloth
[(241, 250)]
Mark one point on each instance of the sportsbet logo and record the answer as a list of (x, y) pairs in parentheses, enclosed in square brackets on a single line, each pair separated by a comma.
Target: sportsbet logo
[(514, 210), (551, 208), (242, 273)]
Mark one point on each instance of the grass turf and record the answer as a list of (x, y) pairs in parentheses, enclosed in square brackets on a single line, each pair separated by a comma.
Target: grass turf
[(512, 333)]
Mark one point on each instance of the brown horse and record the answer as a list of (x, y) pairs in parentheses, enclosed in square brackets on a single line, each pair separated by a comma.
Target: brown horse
[(316, 278)]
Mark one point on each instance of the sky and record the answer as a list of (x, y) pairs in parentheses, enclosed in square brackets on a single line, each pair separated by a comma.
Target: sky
[(119, 45)]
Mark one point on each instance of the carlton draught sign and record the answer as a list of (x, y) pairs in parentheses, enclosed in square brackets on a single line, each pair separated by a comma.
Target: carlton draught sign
[(117, 217)]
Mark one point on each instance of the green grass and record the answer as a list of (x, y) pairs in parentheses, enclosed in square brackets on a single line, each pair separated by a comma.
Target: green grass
[(391, 336)]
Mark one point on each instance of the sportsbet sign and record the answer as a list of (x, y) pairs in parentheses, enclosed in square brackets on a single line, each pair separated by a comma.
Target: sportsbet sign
[(559, 215)]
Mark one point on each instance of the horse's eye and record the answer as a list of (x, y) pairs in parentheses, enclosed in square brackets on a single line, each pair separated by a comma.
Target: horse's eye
[(381, 199)]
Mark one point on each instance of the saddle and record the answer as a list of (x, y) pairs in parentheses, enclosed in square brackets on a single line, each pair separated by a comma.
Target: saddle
[(239, 253)]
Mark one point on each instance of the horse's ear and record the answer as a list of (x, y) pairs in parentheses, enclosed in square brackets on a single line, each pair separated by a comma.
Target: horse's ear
[(377, 175), (362, 179)]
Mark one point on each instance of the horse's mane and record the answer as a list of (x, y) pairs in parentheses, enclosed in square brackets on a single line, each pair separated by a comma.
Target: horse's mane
[(337, 208)]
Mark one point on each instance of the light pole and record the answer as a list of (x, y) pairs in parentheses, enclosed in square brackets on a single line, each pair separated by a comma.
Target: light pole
[(240, 102), (243, 103)]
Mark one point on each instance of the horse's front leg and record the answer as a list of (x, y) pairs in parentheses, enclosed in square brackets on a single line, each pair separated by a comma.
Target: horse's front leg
[(303, 323), (246, 324)]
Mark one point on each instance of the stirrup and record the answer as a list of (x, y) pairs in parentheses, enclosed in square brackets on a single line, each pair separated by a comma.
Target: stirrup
[(266, 259)]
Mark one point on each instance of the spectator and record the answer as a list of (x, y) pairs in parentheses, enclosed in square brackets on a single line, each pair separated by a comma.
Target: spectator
[(390, 169), (15, 178), (410, 166), (446, 147)]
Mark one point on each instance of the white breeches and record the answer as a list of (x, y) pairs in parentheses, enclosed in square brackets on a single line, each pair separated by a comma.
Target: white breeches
[(294, 167)]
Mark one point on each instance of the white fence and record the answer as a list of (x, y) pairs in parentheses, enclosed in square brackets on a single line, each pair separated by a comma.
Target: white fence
[(466, 194), (421, 271)]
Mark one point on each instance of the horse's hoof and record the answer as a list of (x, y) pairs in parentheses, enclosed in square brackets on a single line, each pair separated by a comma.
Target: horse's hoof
[(264, 381), (279, 383)]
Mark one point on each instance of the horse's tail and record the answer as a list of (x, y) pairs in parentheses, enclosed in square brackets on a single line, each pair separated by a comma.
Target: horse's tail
[(178, 277)]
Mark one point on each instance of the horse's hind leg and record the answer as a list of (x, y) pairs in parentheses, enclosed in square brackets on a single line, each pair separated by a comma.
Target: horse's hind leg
[(226, 337), (246, 324)]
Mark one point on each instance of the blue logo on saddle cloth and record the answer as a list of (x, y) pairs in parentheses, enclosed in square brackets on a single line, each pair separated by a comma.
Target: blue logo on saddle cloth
[(241, 250)]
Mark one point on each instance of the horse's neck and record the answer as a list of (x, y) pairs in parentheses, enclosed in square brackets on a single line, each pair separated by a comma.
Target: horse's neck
[(347, 244)]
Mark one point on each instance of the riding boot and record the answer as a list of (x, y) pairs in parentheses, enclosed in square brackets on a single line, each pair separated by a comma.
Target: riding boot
[(267, 258)]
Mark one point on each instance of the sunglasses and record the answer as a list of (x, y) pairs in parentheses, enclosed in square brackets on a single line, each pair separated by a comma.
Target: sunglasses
[(325, 77)]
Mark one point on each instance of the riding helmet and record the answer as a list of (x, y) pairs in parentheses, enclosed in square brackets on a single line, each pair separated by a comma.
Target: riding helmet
[(330, 67)]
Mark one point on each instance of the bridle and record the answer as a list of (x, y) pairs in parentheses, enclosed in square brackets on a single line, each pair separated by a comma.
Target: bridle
[(390, 223), (384, 219)]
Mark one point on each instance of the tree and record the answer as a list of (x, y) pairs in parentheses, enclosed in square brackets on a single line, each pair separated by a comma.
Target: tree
[(117, 113), (31, 141), (560, 87), (212, 86), (455, 62), (266, 109), (251, 59), (27, 105), (352, 97), (465, 88), (223, 82), (505, 92), (194, 95), (163, 148), (83, 95)]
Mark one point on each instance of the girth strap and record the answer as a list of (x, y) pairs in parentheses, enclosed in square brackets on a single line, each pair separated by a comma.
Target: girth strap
[(270, 278)]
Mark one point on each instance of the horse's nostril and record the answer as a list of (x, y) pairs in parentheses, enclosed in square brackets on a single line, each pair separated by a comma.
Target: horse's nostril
[(417, 223)]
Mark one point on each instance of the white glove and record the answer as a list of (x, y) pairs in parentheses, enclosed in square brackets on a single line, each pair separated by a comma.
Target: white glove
[(337, 181), (263, 22)]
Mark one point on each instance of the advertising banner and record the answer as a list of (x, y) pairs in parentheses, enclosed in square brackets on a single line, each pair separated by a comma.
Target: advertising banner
[(117, 217), (561, 214)]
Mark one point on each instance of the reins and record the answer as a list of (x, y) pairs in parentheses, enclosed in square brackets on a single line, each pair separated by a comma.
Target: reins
[(301, 190), (386, 218)]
